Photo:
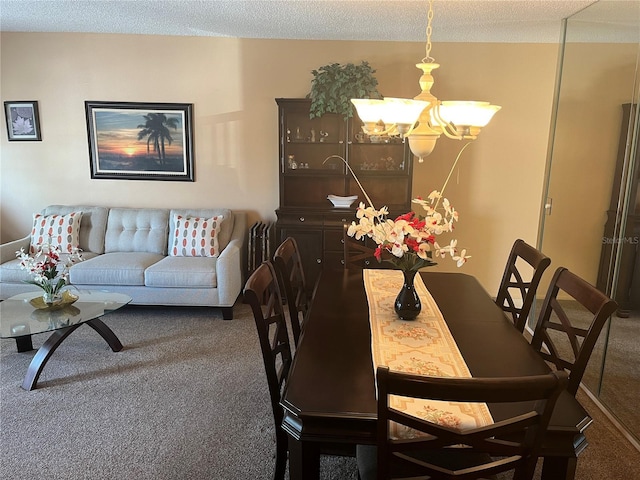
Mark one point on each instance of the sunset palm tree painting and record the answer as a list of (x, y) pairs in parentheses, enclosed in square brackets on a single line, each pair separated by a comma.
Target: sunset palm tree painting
[(138, 140), (156, 130)]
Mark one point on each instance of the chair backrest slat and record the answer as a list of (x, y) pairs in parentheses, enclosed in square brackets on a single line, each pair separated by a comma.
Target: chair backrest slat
[(513, 279), (553, 316), (288, 264), (357, 254)]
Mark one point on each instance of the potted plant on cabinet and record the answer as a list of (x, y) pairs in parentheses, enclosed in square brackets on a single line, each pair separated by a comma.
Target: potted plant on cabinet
[(334, 85)]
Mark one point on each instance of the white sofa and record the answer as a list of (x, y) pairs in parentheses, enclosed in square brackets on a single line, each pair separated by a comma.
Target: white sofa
[(125, 250)]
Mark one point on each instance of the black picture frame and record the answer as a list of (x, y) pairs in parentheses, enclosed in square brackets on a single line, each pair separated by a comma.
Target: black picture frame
[(140, 140), (23, 121)]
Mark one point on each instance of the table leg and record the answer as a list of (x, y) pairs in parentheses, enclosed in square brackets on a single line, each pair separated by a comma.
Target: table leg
[(46, 350), (24, 343), (304, 460), (106, 333), (43, 354), (559, 468)]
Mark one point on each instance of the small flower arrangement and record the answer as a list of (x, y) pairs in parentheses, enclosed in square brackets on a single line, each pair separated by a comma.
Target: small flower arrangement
[(49, 270), (410, 238)]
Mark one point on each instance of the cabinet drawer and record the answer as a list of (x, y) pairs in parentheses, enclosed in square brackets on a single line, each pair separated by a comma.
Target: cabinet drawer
[(301, 219), (333, 241), (334, 220)]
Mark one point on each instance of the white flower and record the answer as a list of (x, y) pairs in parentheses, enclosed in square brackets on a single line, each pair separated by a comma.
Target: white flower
[(462, 258)]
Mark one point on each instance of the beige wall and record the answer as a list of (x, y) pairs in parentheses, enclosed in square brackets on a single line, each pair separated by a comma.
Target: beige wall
[(232, 84)]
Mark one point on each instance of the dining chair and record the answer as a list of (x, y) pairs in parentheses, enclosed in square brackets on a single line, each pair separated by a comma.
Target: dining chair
[(262, 293), (443, 451), (288, 265), (357, 254), (570, 321), (513, 281)]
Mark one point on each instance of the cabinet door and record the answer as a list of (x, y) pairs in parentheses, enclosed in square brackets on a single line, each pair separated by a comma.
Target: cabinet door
[(310, 245), (333, 248), (307, 172), (383, 165)]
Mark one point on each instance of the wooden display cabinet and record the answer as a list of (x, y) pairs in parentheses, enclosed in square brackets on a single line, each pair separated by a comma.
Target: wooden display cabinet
[(628, 288), (307, 175)]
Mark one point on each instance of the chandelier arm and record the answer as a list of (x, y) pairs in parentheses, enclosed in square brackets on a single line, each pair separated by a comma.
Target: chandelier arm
[(374, 133), (413, 126), (448, 128)]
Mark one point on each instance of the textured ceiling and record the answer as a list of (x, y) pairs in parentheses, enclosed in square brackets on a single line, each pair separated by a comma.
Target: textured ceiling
[(395, 20)]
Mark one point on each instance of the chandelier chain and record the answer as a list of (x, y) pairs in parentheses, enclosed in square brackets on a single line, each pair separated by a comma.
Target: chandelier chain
[(429, 58)]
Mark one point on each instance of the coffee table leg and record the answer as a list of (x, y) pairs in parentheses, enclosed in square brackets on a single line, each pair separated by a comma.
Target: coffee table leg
[(43, 354), (106, 333), (46, 350)]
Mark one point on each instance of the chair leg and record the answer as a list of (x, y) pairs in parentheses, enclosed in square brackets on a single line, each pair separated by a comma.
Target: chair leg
[(281, 455)]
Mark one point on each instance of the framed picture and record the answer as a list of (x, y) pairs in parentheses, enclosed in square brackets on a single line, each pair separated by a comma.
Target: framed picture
[(140, 141), (22, 119)]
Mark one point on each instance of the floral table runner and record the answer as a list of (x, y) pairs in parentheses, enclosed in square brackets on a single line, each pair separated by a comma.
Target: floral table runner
[(422, 346)]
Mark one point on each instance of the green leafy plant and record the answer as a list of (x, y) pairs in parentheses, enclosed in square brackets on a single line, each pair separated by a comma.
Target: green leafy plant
[(334, 85)]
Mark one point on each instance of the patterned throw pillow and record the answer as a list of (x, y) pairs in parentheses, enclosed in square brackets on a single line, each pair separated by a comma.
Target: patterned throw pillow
[(195, 236), (58, 230)]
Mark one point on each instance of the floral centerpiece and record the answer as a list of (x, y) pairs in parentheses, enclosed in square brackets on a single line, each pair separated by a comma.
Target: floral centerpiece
[(409, 241), (410, 238), (50, 269)]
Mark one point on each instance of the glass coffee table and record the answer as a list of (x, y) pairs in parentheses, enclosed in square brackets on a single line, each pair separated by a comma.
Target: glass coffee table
[(23, 315)]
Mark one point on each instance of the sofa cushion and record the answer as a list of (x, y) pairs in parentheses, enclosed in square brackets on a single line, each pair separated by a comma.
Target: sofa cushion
[(92, 227), (117, 268), (195, 236), (137, 230), (226, 228), (186, 272), (57, 230), (12, 273)]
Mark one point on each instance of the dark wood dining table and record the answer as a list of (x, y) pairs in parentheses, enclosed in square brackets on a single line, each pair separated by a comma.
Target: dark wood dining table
[(330, 397)]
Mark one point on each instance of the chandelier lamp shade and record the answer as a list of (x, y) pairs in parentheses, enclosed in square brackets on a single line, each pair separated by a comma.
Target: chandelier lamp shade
[(424, 119)]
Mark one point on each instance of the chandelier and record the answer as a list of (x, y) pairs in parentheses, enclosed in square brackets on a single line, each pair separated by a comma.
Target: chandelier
[(425, 118)]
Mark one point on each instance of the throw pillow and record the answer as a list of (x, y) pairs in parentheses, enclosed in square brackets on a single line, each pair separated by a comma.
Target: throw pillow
[(59, 230), (195, 236)]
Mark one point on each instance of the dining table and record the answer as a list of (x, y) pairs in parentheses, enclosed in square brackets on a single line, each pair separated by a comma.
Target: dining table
[(330, 395)]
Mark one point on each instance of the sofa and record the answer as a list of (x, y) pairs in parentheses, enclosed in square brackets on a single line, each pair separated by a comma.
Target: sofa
[(181, 257)]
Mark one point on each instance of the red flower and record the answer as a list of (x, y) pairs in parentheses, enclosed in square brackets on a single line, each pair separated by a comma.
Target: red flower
[(407, 216), (412, 244)]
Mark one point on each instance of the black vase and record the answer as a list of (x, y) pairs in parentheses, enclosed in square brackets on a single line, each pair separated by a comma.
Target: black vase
[(407, 304)]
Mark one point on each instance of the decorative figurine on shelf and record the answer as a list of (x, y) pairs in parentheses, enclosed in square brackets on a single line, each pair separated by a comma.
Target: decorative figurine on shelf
[(291, 159), (313, 135), (323, 135), (299, 136)]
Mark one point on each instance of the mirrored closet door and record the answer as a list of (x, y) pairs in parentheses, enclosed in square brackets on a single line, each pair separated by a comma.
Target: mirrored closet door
[(590, 220)]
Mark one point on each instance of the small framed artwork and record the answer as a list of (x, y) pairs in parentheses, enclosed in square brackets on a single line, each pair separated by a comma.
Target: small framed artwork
[(23, 123), (140, 141)]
